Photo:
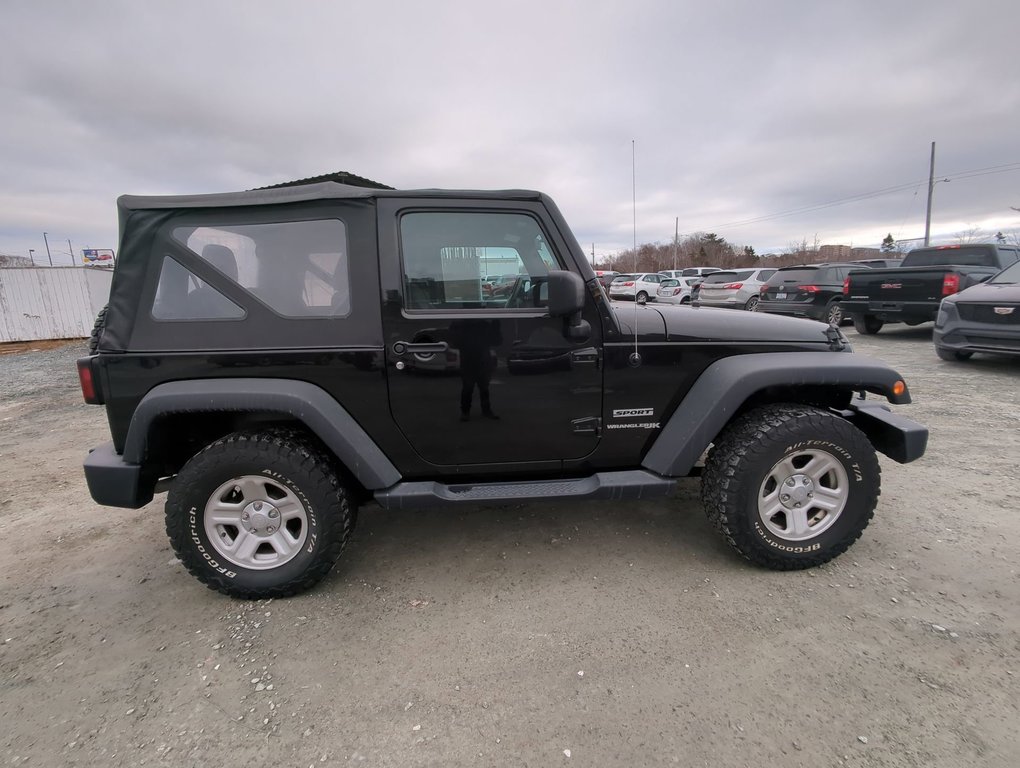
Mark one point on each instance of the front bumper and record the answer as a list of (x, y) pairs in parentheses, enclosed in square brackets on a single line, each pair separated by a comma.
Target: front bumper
[(115, 483), (958, 335), (898, 437)]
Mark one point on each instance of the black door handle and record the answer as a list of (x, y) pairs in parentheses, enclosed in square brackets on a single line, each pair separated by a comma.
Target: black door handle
[(423, 348)]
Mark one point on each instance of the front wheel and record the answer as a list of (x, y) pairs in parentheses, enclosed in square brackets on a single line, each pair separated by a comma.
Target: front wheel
[(259, 514), (791, 486)]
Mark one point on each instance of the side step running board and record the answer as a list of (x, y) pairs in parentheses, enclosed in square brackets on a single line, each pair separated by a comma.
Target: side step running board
[(631, 484)]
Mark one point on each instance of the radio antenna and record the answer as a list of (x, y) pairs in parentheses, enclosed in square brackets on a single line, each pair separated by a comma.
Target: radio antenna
[(635, 359)]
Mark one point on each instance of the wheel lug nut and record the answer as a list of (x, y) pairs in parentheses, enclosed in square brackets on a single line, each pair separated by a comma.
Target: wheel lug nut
[(271, 529), (258, 506), (790, 481), (244, 516), (273, 513), (786, 497)]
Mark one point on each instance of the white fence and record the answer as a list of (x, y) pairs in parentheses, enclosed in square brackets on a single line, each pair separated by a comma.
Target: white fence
[(51, 302)]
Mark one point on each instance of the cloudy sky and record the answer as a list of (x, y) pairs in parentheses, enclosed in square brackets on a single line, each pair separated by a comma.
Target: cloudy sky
[(765, 122)]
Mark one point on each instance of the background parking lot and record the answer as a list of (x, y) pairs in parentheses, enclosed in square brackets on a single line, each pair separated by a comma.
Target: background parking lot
[(626, 634)]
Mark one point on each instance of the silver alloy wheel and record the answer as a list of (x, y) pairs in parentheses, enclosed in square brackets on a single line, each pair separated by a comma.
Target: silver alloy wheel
[(803, 495), (835, 314), (256, 522)]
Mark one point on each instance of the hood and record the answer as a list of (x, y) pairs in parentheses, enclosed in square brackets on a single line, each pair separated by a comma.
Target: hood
[(668, 322), (989, 293)]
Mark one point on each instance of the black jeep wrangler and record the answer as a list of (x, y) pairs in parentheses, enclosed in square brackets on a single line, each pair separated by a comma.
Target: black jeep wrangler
[(276, 358)]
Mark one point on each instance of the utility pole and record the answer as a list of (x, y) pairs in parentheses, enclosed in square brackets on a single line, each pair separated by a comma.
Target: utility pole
[(593, 262), (71, 251), (48, 254), (931, 191), (31, 255), (676, 241)]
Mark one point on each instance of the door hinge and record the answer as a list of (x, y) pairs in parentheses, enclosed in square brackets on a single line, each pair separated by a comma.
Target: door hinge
[(589, 425)]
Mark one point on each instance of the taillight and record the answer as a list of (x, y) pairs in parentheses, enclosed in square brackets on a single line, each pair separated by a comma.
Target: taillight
[(846, 286), (763, 289), (808, 288), (676, 291), (950, 284), (628, 284), (733, 286), (89, 391)]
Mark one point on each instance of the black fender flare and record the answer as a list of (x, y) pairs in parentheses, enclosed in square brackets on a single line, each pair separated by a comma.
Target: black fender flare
[(305, 402), (725, 386)]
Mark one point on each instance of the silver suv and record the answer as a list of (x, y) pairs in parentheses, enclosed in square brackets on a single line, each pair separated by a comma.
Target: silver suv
[(737, 289)]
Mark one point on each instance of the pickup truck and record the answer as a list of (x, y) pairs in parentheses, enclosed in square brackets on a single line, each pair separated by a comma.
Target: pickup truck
[(911, 293), (274, 359)]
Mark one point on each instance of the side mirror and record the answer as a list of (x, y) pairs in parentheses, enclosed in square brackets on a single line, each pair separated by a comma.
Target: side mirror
[(566, 293), (972, 279)]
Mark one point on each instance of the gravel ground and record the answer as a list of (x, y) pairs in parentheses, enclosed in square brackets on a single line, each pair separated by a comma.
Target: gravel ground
[(576, 634)]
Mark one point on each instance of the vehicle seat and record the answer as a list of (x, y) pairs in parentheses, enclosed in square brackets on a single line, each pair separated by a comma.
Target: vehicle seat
[(205, 302)]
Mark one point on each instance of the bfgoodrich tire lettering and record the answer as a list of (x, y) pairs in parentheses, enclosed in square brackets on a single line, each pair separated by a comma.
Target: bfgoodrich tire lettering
[(291, 483), (832, 467)]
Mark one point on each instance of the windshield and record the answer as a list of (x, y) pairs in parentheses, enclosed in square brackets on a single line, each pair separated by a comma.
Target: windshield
[(727, 277), (1009, 275), (797, 274)]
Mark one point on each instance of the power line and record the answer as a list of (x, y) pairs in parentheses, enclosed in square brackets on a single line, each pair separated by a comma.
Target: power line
[(974, 173)]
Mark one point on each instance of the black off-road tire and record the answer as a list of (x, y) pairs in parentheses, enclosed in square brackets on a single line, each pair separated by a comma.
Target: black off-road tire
[(952, 355), (867, 325), (97, 331), (745, 456), (282, 459)]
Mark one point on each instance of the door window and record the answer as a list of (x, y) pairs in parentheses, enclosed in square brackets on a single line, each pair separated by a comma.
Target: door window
[(468, 260)]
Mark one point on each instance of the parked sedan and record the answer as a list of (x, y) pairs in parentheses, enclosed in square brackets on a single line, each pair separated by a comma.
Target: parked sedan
[(809, 290), (737, 288), (642, 286), (676, 291), (982, 318)]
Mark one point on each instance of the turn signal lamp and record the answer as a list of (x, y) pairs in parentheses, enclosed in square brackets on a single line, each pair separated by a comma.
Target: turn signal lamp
[(899, 388)]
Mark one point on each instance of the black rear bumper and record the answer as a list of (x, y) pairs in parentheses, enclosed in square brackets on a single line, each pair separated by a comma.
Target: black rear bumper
[(115, 483)]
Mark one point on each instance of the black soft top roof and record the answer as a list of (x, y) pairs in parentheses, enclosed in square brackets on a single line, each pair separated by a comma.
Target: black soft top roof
[(323, 191)]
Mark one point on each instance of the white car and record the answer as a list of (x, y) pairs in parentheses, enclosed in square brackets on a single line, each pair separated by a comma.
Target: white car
[(676, 290), (689, 272), (641, 286)]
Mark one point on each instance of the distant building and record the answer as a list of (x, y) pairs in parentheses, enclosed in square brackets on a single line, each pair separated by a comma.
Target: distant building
[(847, 253)]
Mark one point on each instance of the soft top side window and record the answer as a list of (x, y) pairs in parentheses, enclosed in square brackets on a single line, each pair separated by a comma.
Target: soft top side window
[(297, 268)]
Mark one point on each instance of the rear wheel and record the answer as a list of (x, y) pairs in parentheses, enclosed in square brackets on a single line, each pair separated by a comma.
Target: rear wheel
[(867, 325), (791, 486), (834, 313), (97, 331), (642, 297), (259, 514), (952, 355), (752, 304)]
